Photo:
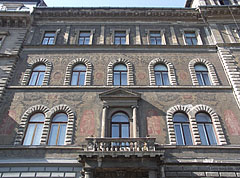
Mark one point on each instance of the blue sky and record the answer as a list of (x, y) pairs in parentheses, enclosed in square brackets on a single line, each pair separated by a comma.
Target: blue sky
[(115, 3)]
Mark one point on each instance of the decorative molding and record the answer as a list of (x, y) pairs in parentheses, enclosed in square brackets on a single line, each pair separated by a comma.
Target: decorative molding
[(88, 76), (33, 64), (215, 120), (171, 71), (130, 73), (210, 67), (70, 125), (24, 121)]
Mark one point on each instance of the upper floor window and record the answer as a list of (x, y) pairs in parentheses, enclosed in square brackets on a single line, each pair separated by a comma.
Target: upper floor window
[(120, 74), (58, 129), (37, 75), (202, 74), (78, 75), (190, 38), (120, 126), (155, 38), (205, 129), (120, 38), (49, 38), (182, 130), (84, 38), (224, 2), (161, 74), (34, 130)]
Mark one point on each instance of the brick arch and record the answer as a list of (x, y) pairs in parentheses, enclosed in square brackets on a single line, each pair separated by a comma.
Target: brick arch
[(88, 76), (170, 113), (33, 64), (24, 121), (210, 67), (215, 120), (171, 71), (70, 125), (129, 65)]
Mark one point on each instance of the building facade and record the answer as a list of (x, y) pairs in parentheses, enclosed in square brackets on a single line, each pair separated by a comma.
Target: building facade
[(125, 92)]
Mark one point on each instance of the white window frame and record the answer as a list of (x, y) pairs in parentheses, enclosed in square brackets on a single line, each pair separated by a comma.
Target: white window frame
[(197, 33), (112, 32), (162, 35), (92, 32)]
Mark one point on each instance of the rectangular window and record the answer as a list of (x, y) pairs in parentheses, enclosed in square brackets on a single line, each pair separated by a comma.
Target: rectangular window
[(120, 38), (155, 38), (224, 2), (190, 37), (49, 38), (84, 38)]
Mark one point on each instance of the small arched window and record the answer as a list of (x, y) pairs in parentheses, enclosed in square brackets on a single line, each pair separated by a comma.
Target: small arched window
[(182, 130), (37, 75), (58, 129), (78, 75), (120, 126), (120, 74), (161, 74), (202, 74), (34, 130), (205, 129)]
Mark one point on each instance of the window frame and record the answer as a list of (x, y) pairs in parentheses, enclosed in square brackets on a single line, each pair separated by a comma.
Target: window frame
[(44, 31), (120, 125), (162, 36), (161, 77), (48, 38), (197, 34), (79, 74), (127, 32), (77, 33), (38, 74), (201, 74), (120, 71)]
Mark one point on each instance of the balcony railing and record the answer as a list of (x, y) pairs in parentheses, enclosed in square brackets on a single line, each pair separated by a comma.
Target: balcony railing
[(120, 144)]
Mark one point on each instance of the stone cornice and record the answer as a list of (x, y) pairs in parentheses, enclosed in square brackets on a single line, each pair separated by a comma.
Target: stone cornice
[(14, 19)]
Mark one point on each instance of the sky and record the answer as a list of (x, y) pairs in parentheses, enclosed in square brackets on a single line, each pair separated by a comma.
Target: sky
[(115, 3)]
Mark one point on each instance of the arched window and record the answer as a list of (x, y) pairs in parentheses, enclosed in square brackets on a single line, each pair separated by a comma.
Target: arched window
[(58, 129), (37, 75), (120, 74), (34, 130), (182, 130), (161, 74), (205, 129), (202, 74), (120, 126), (78, 75)]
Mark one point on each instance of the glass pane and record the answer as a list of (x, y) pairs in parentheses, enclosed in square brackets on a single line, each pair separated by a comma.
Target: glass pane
[(52, 34), (120, 117), (125, 131), (84, 34), (200, 80), (33, 78), (165, 78), (74, 78), (39, 117), (206, 79), (152, 41), (203, 117), (120, 34), (53, 134), (158, 78), (202, 134), (40, 78), (29, 134), (81, 41), (160, 67), (187, 134), (123, 40), (115, 131), (51, 41), (200, 67), (82, 79), (211, 135), (45, 41), (180, 117), (179, 136), (159, 41), (62, 134), (154, 34), (61, 117), (189, 41), (120, 67), (124, 78), (194, 41), (117, 41), (38, 134), (190, 34), (39, 68), (116, 78), (87, 41)]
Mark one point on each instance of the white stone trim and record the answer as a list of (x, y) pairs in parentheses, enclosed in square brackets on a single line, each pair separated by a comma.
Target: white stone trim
[(88, 76), (24, 121), (130, 75), (197, 32), (70, 125), (211, 71), (33, 64), (171, 71), (229, 34), (215, 121)]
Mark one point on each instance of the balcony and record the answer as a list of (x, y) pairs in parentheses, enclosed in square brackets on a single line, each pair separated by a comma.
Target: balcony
[(120, 144)]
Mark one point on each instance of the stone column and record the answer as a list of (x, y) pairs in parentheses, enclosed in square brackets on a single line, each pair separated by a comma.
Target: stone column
[(134, 121), (104, 112), (152, 174)]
